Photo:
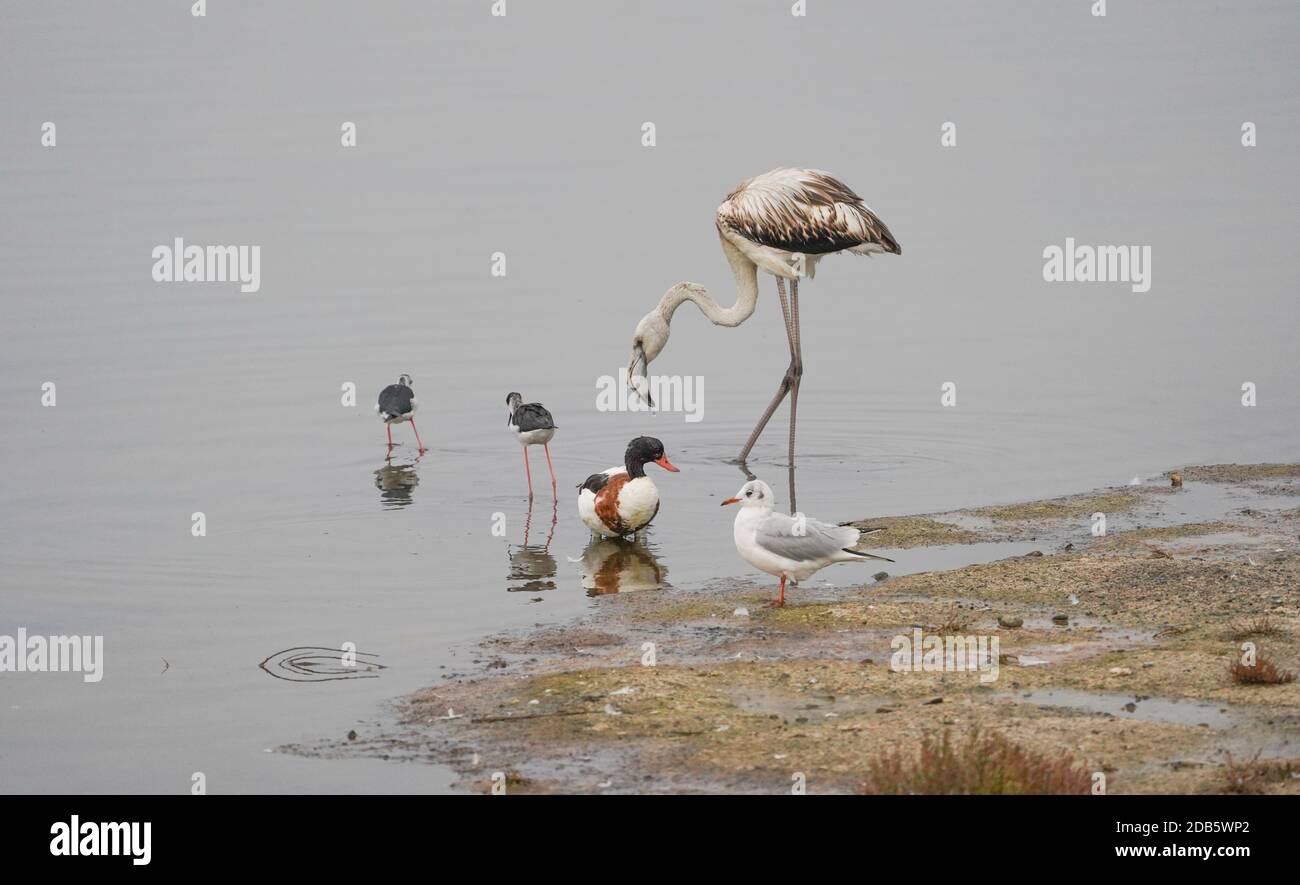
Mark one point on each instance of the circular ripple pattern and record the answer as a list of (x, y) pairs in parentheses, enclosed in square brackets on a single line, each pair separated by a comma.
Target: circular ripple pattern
[(311, 664)]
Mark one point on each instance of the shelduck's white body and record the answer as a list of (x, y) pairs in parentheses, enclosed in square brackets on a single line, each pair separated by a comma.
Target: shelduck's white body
[(621, 501), (635, 502)]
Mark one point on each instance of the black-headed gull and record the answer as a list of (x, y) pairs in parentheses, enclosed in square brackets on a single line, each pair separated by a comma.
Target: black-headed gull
[(622, 500), (397, 403), (532, 425), (792, 548)]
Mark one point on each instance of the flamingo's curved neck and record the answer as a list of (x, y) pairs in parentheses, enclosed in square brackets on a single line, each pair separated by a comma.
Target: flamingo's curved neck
[(746, 274)]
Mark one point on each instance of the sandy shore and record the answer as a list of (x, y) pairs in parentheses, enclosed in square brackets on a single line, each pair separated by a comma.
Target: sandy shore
[(1121, 658)]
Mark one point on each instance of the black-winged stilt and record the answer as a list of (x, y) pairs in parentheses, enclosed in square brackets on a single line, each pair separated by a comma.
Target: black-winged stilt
[(397, 403), (532, 425), (622, 500)]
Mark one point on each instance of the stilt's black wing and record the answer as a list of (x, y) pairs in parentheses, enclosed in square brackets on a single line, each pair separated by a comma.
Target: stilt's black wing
[(396, 399), (533, 416)]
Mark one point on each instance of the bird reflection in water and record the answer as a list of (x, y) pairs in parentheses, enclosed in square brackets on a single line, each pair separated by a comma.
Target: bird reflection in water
[(532, 568), (620, 565), (396, 482)]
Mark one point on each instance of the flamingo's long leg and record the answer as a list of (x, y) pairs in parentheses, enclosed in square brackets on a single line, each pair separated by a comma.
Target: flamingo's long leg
[(785, 381), (797, 353)]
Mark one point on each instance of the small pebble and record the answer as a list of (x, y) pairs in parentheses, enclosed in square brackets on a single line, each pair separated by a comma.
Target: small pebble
[(1011, 622)]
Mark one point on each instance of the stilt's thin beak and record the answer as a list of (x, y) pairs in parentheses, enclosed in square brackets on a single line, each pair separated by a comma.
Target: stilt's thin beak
[(662, 461), (730, 501)]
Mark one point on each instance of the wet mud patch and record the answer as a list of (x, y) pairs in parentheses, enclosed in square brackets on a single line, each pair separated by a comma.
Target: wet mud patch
[(1107, 649)]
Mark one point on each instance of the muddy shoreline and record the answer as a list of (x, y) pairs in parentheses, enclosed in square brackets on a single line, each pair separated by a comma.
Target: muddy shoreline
[(1113, 648)]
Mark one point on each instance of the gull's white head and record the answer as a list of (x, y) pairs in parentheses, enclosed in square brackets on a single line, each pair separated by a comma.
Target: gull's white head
[(754, 493)]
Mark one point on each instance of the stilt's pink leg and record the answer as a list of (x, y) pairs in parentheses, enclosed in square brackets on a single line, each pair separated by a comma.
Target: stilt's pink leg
[(390, 436), (528, 470), (547, 448), (417, 437)]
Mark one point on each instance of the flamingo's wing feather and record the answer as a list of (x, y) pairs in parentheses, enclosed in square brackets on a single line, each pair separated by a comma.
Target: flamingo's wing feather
[(804, 210)]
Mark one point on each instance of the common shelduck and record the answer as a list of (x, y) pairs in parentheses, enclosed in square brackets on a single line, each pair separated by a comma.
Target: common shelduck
[(397, 403), (532, 425), (622, 500), (792, 548)]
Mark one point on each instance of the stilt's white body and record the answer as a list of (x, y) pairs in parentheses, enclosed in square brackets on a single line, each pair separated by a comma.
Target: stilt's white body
[(533, 437), (398, 419)]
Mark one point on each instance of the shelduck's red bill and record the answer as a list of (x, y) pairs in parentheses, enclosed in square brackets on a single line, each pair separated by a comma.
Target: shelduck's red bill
[(730, 501), (662, 461)]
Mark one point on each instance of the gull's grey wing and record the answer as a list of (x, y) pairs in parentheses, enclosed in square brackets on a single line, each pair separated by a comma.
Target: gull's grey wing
[(813, 541)]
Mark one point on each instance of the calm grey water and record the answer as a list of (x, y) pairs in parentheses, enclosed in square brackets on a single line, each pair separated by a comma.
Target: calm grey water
[(522, 135)]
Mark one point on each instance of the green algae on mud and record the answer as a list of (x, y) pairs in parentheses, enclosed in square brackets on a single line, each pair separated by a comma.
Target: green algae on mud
[(1071, 507), (900, 532), (1137, 537), (1239, 473), (736, 696)]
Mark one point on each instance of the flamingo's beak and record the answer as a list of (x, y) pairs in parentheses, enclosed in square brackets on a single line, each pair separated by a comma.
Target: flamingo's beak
[(662, 461), (730, 501)]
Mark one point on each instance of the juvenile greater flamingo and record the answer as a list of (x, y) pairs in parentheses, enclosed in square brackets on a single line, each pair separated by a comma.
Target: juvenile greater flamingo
[(783, 221)]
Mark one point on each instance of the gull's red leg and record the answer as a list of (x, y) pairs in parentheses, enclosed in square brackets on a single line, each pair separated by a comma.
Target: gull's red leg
[(417, 437), (547, 448), (528, 470), (780, 599)]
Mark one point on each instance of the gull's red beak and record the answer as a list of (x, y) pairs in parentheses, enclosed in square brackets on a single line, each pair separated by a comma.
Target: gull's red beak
[(662, 461), (730, 501)]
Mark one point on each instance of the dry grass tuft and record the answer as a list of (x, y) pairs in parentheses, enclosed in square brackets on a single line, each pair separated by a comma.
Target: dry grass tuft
[(1253, 776), (1262, 672), (1263, 626), (982, 764)]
